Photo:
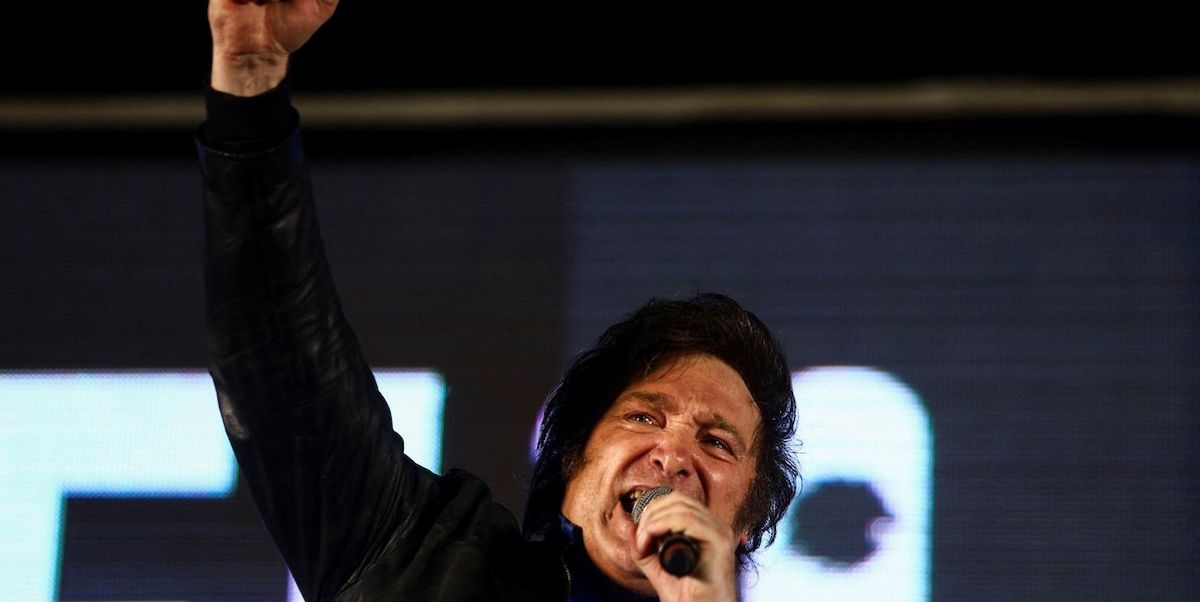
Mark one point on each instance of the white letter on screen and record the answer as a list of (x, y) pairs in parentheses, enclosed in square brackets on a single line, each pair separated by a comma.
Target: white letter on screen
[(862, 433), (133, 434)]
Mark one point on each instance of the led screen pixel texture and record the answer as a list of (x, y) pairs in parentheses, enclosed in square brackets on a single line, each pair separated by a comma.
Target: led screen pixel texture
[(1043, 304)]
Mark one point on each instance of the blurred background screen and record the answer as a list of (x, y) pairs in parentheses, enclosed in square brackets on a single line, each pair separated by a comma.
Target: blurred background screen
[(984, 267)]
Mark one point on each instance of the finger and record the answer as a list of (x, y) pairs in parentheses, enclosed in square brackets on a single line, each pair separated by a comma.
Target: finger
[(678, 516), (673, 500), (683, 520)]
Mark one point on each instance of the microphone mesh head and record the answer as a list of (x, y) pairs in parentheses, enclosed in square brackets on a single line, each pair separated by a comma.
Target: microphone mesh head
[(645, 500)]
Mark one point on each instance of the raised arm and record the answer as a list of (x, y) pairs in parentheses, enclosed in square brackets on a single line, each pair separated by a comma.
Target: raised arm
[(354, 517), (311, 433)]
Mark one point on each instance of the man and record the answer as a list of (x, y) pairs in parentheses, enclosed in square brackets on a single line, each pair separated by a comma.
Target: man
[(692, 394)]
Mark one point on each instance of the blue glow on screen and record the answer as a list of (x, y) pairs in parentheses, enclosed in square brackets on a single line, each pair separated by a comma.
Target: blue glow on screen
[(417, 400), (134, 434)]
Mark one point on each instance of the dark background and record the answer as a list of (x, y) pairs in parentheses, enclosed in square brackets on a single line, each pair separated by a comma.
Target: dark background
[(1033, 279), (153, 47)]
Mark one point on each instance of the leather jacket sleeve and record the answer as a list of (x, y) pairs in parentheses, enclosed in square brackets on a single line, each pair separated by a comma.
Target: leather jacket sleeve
[(354, 518), (309, 428)]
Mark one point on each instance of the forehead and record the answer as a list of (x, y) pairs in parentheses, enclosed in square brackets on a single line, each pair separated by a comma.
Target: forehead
[(700, 383)]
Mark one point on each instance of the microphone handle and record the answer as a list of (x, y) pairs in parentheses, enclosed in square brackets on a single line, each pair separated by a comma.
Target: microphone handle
[(678, 554)]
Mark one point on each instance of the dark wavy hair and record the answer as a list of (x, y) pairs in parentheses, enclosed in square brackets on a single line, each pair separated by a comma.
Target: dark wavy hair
[(658, 332)]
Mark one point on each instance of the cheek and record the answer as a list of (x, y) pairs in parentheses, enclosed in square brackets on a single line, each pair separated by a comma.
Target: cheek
[(584, 480), (577, 503), (734, 487)]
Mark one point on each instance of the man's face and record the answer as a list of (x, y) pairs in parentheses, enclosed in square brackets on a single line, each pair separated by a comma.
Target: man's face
[(689, 425)]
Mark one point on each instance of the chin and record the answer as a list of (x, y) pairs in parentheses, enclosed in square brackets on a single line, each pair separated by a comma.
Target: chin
[(617, 566)]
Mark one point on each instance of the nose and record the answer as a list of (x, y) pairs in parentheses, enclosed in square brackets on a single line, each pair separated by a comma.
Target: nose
[(672, 456)]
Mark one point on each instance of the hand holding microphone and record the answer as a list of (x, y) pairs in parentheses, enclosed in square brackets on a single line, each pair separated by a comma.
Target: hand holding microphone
[(677, 553)]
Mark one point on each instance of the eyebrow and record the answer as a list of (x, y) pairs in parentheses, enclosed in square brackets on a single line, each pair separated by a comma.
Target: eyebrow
[(711, 420)]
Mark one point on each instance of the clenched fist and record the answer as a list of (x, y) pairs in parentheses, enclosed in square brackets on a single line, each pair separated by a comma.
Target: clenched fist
[(252, 40)]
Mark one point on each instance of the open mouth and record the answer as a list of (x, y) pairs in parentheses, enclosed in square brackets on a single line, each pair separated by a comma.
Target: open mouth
[(629, 499)]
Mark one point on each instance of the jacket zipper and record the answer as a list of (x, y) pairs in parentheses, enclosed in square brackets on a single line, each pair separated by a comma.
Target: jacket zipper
[(567, 573)]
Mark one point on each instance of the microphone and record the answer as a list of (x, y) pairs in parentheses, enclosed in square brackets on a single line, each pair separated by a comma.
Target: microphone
[(677, 553)]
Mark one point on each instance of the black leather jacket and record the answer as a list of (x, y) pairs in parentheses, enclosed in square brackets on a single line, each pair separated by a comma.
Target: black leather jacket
[(354, 517)]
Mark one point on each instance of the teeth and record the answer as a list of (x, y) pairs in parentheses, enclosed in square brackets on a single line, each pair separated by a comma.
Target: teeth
[(636, 494)]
